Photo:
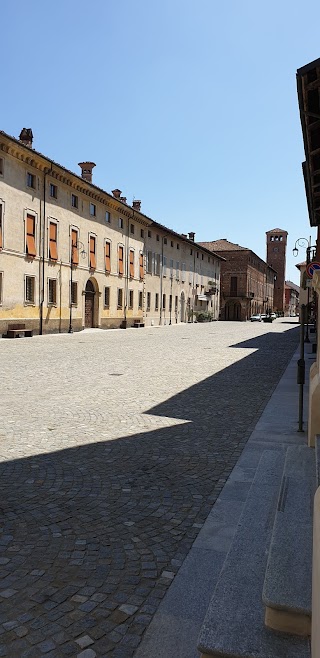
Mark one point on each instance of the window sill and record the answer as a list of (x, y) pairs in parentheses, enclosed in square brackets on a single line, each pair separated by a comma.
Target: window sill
[(29, 303)]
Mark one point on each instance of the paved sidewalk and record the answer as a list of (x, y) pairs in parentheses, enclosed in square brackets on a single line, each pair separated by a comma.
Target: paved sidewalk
[(176, 625)]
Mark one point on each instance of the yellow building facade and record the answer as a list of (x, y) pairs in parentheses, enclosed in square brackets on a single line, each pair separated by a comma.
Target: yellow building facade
[(74, 256)]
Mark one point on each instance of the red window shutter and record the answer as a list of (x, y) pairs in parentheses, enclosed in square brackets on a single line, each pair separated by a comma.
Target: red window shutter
[(120, 252), (93, 263), (53, 251), (30, 242), (141, 266), (131, 264), (108, 265), (75, 252)]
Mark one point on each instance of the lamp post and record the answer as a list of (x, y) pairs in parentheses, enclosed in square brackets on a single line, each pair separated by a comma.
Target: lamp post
[(74, 247), (301, 243)]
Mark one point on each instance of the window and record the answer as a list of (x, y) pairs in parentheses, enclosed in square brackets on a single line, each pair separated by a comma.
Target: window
[(149, 262), (156, 303), (31, 180), (201, 256), (164, 302), (120, 297), (107, 257), (132, 229), (52, 292), (140, 298), (148, 301), (176, 303), (53, 249), (183, 273), (157, 238), (197, 254), (142, 233), (178, 246), (93, 261), (177, 270), (130, 298), (164, 266), (209, 259), (74, 293), (53, 191), (93, 209), (149, 234), (120, 222), (74, 201), (1, 166), (30, 284), (165, 240), (1, 225), (171, 243), (191, 252), (131, 268), (170, 303), (74, 247), (120, 261), (233, 285), (171, 269), (107, 297), (108, 218), (157, 264), (31, 236), (141, 267)]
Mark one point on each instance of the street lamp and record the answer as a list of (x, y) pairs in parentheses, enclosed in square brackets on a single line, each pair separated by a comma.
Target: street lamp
[(74, 248), (301, 242)]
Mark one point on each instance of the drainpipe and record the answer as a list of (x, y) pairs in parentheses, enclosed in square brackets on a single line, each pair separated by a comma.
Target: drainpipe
[(161, 282), (42, 249)]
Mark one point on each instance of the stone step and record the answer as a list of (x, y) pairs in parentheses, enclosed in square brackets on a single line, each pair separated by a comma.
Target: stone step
[(287, 586), (234, 623), (317, 454)]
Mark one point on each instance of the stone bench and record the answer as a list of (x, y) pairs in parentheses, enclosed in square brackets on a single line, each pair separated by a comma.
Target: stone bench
[(16, 330)]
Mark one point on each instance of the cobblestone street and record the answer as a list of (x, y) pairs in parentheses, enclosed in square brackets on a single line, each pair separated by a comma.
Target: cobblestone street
[(114, 447)]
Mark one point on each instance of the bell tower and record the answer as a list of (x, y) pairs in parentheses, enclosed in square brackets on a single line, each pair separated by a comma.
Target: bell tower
[(276, 258)]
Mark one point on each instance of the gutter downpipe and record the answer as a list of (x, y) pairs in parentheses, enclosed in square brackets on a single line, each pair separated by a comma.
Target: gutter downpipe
[(161, 282)]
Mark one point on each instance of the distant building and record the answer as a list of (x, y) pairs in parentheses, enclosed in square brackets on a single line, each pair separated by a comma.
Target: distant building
[(247, 282), (276, 258), (292, 294)]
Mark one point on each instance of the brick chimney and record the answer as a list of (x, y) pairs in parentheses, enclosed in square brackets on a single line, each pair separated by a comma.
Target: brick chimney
[(86, 170), (191, 236), (26, 137), (116, 193), (123, 199), (136, 204)]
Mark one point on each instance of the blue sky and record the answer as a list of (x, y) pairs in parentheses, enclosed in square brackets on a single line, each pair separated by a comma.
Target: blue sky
[(188, 105)]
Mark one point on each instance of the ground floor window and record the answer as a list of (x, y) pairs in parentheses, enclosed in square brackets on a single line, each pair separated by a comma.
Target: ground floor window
[(130, 298), (52, 292), (148, 301), (30, 286), (120, 297), (156, 304), (140, 298), (74, 293), (107, 297)]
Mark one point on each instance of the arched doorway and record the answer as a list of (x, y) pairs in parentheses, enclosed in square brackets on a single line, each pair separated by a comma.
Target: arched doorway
[(183, 308), (89, 305)]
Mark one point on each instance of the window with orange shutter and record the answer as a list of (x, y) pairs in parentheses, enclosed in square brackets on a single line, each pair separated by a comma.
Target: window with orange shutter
[(1, 213), (53, 249), (107, 252), (141, 268), (74, 247), (120, 259), (30, 237), (131, 264), (93, 263)]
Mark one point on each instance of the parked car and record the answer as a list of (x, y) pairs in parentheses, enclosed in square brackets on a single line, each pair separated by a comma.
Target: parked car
[(274, 316), (256, 317)]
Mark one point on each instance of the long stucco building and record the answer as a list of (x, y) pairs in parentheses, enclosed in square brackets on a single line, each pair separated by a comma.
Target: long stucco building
[(73, 255)]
